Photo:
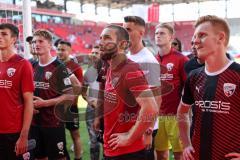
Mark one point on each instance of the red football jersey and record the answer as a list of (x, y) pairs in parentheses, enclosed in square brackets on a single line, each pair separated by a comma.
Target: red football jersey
[(175, 76), (16, 78), (122, 87)]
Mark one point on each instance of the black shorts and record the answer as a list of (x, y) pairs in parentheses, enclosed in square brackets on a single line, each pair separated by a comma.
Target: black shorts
[(73, 119), (51, 142), (139, 155), (7, 148)]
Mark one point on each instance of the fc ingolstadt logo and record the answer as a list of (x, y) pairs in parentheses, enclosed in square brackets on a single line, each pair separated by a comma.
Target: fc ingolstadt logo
[(229, 89), (10, 72)]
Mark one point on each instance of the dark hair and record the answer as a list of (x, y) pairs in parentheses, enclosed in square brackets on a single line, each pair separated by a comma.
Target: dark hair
[(178, 42), (65, 43), (57, 42), (216, 22), (96, 46), (121, 32), (135, 19), (14, 30), (29, 39)]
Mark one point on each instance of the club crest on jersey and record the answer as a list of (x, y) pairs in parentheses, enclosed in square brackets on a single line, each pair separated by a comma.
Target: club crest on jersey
[(60, 148), (48, 75), (10, 72), (229, 89), (26, 156), (169, 66)]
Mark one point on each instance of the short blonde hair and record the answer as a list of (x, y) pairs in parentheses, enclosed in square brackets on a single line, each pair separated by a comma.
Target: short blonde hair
[(168, 26), (43, 33), (217, 22)]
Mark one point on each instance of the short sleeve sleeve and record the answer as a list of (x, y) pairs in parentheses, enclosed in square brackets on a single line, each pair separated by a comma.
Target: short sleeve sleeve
[(60, 80), (136, 82), (187, 97), (27, 78)]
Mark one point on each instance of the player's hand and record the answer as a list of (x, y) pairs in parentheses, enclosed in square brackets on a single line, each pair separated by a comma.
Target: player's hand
[(21, 145), (188, 153), (93, 103), (118, 140), (38, 102), (148, 141), (233, 156)]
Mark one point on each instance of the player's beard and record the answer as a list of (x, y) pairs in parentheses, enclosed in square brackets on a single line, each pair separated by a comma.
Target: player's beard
[(109, 51)]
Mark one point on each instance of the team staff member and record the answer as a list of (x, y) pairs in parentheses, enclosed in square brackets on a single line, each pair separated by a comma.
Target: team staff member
[(126, 94), (52, 85), (16, 92), (214, 90), (175, 76), (63, 51)]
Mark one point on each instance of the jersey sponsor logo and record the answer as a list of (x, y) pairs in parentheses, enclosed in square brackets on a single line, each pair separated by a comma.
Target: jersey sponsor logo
[(166, 77), (229, 89), (5, 83), (41, 85), (48, 75), (214, 106), (10, 72), (170, 66), (67, 81), (110, 97), (198, 88)]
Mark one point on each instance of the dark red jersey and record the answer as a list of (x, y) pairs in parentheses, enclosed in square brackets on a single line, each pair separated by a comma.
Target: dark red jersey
[(175, 76), (50, 81), (16, 78), (216, 98)]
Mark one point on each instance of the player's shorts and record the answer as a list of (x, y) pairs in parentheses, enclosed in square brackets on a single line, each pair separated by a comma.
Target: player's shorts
[(168, 135), (73, 122), (7, 147), (51, 142)]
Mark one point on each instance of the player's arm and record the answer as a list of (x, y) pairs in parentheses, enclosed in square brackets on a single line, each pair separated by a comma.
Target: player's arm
[(21, 145), (66, 96), (76, 84), (184, 124), (84, 91), (233, 156), (147, 115), (184, 130)]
